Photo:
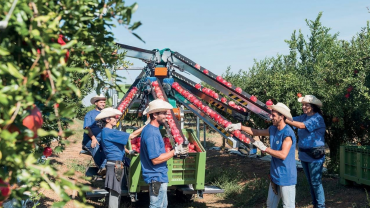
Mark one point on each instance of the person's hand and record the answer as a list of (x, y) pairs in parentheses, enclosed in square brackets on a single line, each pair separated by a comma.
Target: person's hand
[(260, 145), (184, 150), (94, 142), (181, 150), (233, 127), (177, 149), (132, 152)]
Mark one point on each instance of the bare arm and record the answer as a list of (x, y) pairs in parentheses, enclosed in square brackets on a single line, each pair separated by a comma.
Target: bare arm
[(283, 153), (163, 157), (89, 132), (94, 141), (255, 132), (136, 133), (297, 124)]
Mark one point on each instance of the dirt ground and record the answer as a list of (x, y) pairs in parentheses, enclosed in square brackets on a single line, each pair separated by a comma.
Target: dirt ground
[(251, 169)]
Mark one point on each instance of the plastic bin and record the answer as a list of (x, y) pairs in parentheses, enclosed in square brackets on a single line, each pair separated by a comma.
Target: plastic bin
[(355, 164), (190, 170)]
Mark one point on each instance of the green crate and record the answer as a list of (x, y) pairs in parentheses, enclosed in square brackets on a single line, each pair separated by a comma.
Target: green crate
[(190, 170), (355, 164)]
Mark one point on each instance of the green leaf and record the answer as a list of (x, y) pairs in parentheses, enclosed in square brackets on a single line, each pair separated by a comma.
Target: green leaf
[(13, 71), (108, 73), (138, 37), (3, 52)]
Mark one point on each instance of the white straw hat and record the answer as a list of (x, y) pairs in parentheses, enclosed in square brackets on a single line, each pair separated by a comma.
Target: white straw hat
[(96, 98), (157, 105), (107, 112), (310, 99), (283, 109)]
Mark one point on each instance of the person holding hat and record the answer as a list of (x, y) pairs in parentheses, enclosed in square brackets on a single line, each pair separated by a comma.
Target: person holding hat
[(283, 169), (91, 139), (113, 144), (153, 155), (311, 143)]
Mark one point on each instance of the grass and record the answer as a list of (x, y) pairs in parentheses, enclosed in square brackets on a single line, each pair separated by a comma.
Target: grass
[(76, 165), (247, 192)]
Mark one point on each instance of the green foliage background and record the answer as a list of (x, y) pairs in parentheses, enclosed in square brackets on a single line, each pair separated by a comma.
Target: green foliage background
[(318, 64)]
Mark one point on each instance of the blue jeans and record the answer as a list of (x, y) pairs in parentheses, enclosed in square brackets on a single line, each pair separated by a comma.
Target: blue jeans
[(97, 154), (286, 193), (159, 201), (313, 171)]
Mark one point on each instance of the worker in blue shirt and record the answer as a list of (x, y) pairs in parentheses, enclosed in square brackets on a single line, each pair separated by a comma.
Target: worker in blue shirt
[(92, 138), (113, 144), (153, 155), (311, 143), (283, 169)]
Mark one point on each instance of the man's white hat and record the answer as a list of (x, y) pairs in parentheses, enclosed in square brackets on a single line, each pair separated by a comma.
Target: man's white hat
[(107, 112), (283, 109), (310, 99), (157, 105), (96, 98)]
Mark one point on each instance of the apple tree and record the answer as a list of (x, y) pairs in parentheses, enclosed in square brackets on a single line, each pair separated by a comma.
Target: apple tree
[(336, 71), (52, 54)]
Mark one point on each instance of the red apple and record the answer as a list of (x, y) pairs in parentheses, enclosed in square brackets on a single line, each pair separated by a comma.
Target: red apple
[(237, 133), (205, 71), (198, 86), (220, 120), (242, 137), (238, 89), (197, 66), (224, 123), (4, 191), (247, 140), (47, 151), (347, 95), (175, 84), (253, 98), (191, 146), (231, 103), (196, 102), (299, 94), (224, 100), (224, 82), (269, 102), (335, 120), (228, 84), (174, 131), (349, 89), (219, 78), (34, 120), (215, 95)]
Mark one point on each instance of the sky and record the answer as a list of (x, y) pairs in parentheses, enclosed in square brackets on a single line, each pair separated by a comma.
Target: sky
[(218, 34)]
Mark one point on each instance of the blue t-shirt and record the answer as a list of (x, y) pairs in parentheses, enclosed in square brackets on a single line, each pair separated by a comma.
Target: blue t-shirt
[(113, 143), (283, 172), (90, 122), (152, 146), (311, 136)]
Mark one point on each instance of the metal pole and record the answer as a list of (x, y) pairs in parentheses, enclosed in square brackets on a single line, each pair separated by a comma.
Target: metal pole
[(204, 129), (198, 132)]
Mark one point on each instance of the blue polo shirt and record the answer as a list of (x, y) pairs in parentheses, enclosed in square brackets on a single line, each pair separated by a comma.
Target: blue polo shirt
[(283, 172), (311, 136), (152, 146), (89, 121), (113, 143)]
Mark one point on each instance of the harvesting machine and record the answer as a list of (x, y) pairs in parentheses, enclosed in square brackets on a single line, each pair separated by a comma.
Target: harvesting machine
[(166, 77)]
